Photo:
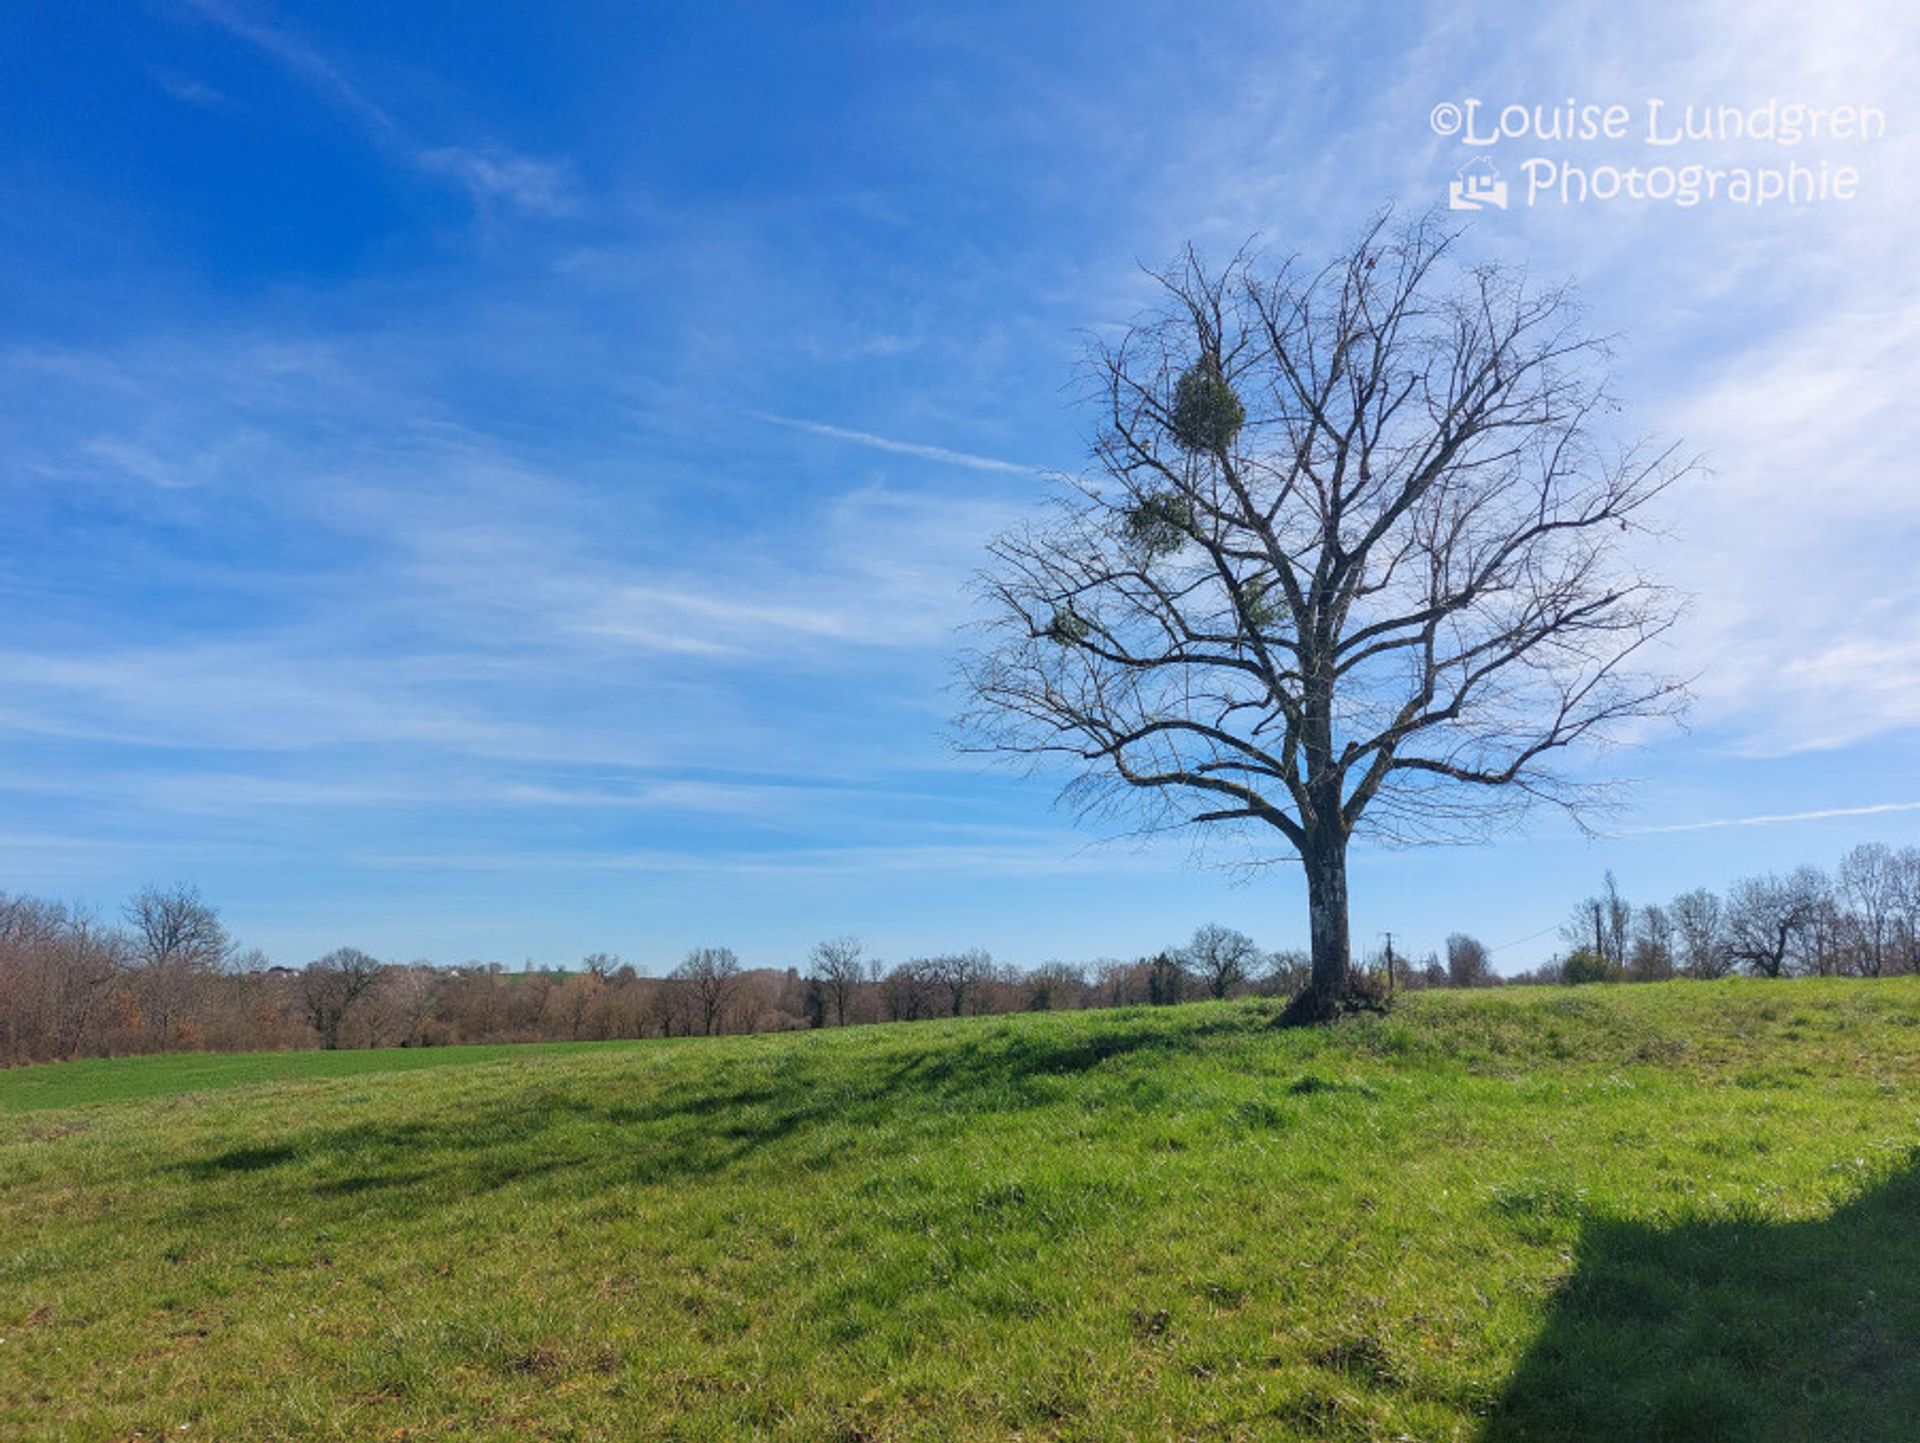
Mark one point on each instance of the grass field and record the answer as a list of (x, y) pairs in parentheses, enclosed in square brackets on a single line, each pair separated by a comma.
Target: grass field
[(1677, 1211)]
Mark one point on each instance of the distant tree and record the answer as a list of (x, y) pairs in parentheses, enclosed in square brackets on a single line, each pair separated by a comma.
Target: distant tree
[(1551, 973), (1907, 907), (1650, 953), (959, 975), (408, 996), (83, 961), (1353, 561), (1054, 985), (1221, 958), (177, 940), (1870, 882), (173, 925), (1821, 946), (839, 966), (1431, 971), (57, 969), (710, 977), (1121, 984), (813, 1002), (907, 991), (1166, 979), (1767, 914), (571, 1002), (1583, 965), (1289, 972), (330, 986), (1468, 962), (1700, 927), (601, 965), (1602, 925)]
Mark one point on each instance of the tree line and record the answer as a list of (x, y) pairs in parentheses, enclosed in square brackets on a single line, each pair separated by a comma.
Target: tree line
[(166, 975)]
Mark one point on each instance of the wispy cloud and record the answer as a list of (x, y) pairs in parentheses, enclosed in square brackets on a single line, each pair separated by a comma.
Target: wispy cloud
[(907, 448), (188, 91), (489, 172), (539, 187), (1047, 854), (304, 60)]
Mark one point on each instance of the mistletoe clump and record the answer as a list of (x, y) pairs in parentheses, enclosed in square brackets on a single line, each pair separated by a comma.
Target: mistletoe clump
[(1159, 524), (1066, 628), (1256, 602), (1207, 415)]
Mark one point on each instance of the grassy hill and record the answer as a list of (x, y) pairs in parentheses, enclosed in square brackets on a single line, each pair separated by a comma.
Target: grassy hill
[(1683, 1211)]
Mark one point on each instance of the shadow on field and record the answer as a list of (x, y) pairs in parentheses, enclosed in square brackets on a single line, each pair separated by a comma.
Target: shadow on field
[(239, 1159), (595, 1132), (1734, 1330)]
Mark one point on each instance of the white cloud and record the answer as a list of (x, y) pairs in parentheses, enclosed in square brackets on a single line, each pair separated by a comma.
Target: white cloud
[(538, 187), (188, 91), (313, 68), (489, 173)]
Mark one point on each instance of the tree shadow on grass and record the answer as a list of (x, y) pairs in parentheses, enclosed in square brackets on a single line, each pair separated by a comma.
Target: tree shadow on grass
[(695, 1124), (1734, 1330), (239, 1159)]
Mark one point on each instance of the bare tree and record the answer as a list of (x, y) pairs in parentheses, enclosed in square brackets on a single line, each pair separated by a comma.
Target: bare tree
[(1907, 906), (1119, 984), (331, 985), (1766, 915), (55, 966), (1286, 973), (1870, 881), (1222, 958), (572, 1001), (1650, 953), (1600, 925), (1351, 562), (177, 939), (1468, 962), (959, 974), (173, 924), (1820, 943), (909, 990), (408, 996), (1703, 945), (601, 965), (840, 967), (711, 977), (1053, 986)]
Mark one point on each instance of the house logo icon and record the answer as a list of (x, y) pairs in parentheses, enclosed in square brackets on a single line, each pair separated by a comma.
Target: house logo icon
[(1477, 185)]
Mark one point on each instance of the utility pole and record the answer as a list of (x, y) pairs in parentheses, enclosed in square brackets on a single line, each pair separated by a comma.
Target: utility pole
[(1389, 964)]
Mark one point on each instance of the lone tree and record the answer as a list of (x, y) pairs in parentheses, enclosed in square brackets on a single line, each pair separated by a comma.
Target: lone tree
[(331, 986), (1350, 559), (177, 940), (711, 977), (1222, 958), (839, 967)]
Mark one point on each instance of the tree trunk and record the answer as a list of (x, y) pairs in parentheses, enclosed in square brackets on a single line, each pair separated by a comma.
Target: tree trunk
[(1325, 859)]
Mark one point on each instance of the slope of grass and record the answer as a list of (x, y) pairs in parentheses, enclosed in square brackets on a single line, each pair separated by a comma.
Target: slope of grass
[(72, 1084), (1686, 1211)]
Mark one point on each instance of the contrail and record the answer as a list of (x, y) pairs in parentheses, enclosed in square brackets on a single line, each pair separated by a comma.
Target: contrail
[(1875, 809), (905, 448)]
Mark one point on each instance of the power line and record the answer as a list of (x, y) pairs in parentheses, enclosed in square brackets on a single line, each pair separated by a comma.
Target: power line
[(1522, 941)]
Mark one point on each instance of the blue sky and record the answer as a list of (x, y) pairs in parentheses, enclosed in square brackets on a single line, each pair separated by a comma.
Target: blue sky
[(499, 482)]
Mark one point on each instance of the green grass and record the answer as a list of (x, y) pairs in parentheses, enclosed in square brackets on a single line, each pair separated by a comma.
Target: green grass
[(73, 1084), (1684, 1211)]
